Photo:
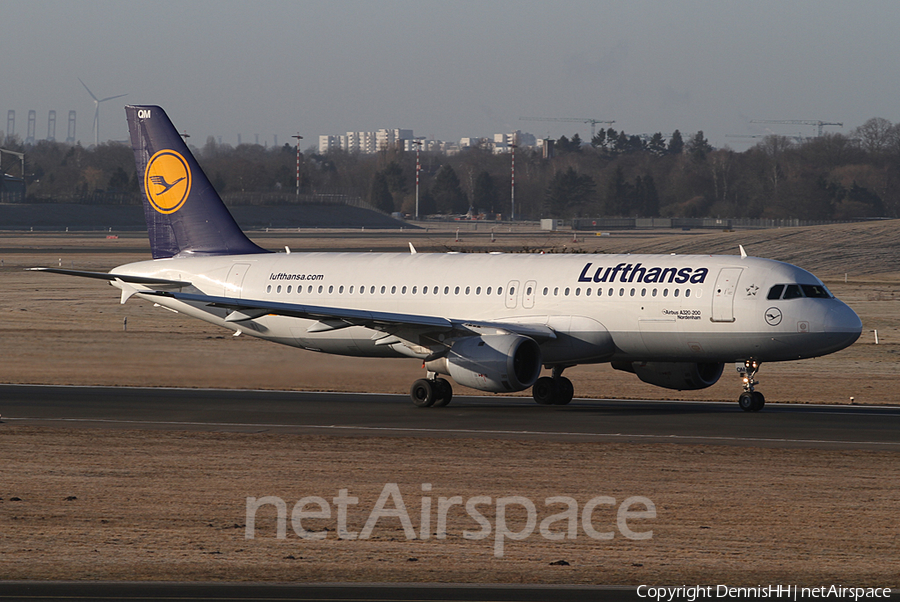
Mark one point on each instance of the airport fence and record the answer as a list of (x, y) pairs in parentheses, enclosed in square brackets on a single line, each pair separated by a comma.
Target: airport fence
[(688, 223)]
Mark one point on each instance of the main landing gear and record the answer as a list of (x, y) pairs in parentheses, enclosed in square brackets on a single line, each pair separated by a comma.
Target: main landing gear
[(431, 392), (556, 390), (751, 400)]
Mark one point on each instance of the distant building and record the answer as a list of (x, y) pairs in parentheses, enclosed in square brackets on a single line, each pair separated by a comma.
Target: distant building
[(328, 143), (12, 190), (403, 139)]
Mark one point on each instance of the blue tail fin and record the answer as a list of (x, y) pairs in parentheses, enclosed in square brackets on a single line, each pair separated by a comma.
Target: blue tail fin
[(185, 215)]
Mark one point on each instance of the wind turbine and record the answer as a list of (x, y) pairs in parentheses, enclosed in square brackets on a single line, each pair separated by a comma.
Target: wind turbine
[(96, 128)]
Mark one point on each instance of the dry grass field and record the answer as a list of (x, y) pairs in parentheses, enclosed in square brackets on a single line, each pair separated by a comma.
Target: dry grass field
[(116, 504)]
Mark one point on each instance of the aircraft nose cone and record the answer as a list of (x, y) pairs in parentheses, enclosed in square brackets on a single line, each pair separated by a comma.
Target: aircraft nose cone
[(843, 323)]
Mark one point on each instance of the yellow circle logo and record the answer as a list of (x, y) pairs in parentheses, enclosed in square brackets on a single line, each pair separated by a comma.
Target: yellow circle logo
[(167, 181)]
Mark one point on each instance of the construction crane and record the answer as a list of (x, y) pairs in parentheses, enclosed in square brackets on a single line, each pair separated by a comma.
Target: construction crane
[(798, 138), (817, 123), (593, 122)]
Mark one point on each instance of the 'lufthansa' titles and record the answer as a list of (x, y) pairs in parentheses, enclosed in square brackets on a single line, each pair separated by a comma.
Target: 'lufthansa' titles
[(638, 273)]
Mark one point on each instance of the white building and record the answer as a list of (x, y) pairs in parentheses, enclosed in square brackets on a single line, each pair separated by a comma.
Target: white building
[(328, 143)]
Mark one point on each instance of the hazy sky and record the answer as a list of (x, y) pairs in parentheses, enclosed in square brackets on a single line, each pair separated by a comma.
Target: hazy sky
[(450, 69)]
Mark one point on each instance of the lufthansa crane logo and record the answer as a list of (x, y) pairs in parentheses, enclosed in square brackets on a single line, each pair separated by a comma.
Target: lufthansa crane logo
[(167, 181)]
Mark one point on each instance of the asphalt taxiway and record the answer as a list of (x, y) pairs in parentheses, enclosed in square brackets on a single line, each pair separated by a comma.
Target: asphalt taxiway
[(359, 414)]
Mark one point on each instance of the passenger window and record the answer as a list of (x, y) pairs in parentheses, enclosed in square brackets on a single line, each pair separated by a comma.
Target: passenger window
[(665, 292), (792, 291), (393, 290), (556, 291), (424, 290), (675, 293), (478, 291), (309, 290), (587, 292), (468, 289), (643, 292), (621, 292), (528, 291), (610, 292), (446, 290), (653, 293), (403, 290), (362, 290), (269, 289), (289, 288), (456, 291), (632, 293), (435, 291), (512, 291), (372, 290), (499, 290), (578, 291), (599, 292), (382, 290), (567, 292), (687, 293), (351, 290), (488, 291), (775, 291), (330, 289), (341, 289), (320, 289), (812, 290), (278, 290), (414, 289)]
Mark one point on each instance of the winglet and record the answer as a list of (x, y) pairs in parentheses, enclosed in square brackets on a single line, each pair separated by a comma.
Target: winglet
[(743, 252), (412, 249)]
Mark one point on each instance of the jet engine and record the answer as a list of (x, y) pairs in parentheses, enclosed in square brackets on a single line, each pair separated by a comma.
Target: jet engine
[(498, 362), (683, 376)]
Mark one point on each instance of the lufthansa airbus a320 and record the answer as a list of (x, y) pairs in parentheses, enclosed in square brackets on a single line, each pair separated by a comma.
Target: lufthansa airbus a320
[(489, 321)]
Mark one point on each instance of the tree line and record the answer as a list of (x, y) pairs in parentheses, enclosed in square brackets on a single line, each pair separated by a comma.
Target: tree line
[(834, 176)]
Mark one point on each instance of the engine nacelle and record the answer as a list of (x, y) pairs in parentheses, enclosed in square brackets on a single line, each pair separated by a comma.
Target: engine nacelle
[(683, 376), (498, 362)]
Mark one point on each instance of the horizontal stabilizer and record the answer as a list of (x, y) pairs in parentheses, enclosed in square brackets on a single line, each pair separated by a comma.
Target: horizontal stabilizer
[(112, 277)]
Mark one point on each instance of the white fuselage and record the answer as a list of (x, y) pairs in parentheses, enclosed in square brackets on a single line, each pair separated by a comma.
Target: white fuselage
[(676, 308)]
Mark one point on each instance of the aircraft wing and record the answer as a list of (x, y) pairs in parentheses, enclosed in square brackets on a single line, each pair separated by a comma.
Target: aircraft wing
[(333, 318), (113, 277)]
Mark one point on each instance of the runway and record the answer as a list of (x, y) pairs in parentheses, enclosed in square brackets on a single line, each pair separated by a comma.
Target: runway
[(359, 414)]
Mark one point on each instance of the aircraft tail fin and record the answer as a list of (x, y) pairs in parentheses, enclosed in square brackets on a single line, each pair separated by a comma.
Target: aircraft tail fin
[(185, 215)]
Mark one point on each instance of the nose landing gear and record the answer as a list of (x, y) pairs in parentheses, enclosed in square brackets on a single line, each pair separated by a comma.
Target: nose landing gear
[(750, 400)]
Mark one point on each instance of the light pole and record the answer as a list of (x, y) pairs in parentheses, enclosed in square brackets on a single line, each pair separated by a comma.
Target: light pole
[(299, 138), (418, 143), (512, 191)]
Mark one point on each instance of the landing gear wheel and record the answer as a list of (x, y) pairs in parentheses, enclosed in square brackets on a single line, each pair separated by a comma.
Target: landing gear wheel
[(746, 401), (443, 392), (422, 393), (758, 401), (565, 391), (544, 391)]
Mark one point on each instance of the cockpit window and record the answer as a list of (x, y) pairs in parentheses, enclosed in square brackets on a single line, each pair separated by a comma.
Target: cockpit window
[(792, 291), (775, 291), (815, 291)]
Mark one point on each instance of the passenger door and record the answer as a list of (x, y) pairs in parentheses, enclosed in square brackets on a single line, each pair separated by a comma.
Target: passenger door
[(234, 283), (723, 295)]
